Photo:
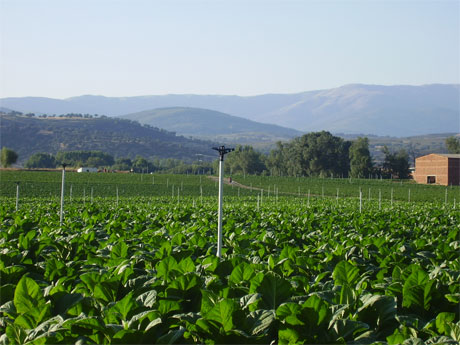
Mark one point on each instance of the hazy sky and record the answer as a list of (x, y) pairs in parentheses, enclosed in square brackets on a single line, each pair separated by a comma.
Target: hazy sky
[(64, 48)]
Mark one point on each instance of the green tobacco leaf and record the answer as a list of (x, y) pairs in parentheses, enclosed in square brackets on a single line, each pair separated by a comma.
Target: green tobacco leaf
[(345, 273), (347, 329), (288, 312), (124, 306), (15, 334), (322, 312), (166, 306), (104, 293), (223, 312), (166, 267), (148, 298), (442, 321), (120, 250), (247, 300), (242, 272), (186, 265), (260, 321), (414, 288), (273, 288), (288, 336), (28, 296)]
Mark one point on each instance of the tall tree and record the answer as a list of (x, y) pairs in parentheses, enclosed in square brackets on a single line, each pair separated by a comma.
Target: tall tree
[(313, 154), (245, 160), (396, 164), (360, 158), (41, 160), (453, 144), (8, 157)]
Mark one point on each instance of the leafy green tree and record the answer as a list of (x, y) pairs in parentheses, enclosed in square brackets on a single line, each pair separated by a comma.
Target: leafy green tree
[(41, 160), (453, 144), (123, 164), (396, 164), (313, 154), (245, 160), (8, 157), (140, 164), (360, 158)]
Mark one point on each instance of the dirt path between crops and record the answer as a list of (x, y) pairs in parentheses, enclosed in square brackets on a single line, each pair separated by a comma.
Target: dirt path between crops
[(237, 184)]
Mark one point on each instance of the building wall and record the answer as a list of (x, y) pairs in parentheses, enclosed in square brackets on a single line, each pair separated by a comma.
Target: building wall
[(432, 165), (454, 171)]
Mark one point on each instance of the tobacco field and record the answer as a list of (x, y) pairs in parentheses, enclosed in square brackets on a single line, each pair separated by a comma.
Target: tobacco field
[(143, 270)]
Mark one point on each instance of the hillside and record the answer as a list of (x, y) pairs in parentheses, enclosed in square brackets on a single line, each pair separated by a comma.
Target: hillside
[(213, 125), (118, 137), (371, 109)]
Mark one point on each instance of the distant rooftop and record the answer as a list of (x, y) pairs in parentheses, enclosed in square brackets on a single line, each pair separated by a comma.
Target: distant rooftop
[(448, 155)]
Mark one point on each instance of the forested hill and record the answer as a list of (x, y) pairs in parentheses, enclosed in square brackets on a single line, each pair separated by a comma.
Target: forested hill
[(119, 137)]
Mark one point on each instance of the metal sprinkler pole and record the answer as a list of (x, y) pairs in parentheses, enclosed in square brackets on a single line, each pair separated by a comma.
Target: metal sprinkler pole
[(17, 196), (222, 151), (61, 214)]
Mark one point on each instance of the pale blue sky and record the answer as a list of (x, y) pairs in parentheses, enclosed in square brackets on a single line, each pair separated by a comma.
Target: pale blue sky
[(64, 48)]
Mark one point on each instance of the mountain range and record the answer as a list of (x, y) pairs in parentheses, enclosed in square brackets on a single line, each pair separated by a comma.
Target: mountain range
[(356, 108)]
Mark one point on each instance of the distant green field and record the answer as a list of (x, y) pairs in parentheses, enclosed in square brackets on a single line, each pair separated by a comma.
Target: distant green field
[(46, 184)]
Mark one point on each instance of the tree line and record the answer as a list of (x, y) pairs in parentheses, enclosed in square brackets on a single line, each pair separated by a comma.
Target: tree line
[(318, 154)]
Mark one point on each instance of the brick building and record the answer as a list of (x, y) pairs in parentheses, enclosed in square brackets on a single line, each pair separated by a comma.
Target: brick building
[(438, 168)]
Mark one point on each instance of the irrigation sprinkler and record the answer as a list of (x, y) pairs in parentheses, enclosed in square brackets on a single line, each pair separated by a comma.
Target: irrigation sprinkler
[(61, 213), (222, 152), (17, 196)]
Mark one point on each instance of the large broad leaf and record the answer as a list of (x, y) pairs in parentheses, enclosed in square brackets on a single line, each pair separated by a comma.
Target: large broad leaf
[(148, 298), (28, 297), (166, 268), (120, 250), (348, 329), (186, 265), (378, 310), (289, 313), (345, 273), (242, 272), (273, 288), (124, 306), (442, 322), (223, 312), (414, 288)]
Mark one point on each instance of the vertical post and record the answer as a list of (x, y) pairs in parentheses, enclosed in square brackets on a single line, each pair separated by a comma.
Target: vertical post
[(219, 215), (17, 196), (391, 197), (61, 213), (117, 196), (445, 198), (360, 200), (380, 199), (337, 197), (91, 194), (201, 194), (84, 196), (70, 194), (222, 151), (308, 200), (408, 197)]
